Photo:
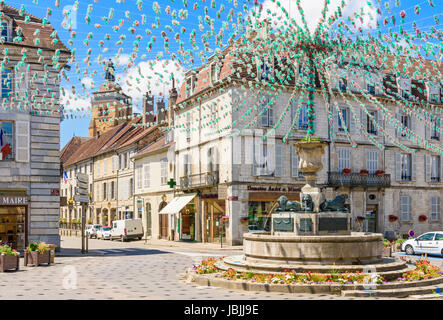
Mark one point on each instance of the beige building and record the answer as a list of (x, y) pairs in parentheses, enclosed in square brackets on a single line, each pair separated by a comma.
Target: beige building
[(221, 157)]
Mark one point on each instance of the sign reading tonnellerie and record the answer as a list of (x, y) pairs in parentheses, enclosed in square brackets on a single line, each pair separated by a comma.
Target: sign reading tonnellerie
[(13, 200)]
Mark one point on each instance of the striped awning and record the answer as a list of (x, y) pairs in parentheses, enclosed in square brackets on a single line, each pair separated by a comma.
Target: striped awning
[(177, 204)]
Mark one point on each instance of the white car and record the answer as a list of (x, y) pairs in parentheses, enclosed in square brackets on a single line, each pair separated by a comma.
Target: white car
[(430, 243), (104, 233), (91, 230)]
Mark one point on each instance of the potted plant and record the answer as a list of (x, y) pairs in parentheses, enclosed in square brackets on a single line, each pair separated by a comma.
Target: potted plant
[(422, 218), (392, 218), (9, 258), (387, 248), (346, 171), (364, 172), (379, 172), (397, 244), (37, 253)]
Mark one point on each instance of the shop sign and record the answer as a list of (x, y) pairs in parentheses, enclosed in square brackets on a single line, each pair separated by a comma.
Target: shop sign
[(13, 200), (273, 189)]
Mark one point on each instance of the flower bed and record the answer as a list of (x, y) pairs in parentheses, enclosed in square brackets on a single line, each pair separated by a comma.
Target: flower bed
[(424, 270)]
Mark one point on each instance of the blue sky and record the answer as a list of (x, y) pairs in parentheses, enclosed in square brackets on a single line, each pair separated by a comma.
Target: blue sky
[(82, 75)]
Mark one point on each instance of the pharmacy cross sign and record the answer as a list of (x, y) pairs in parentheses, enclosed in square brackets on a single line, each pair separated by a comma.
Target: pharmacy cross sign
[(172, 183)]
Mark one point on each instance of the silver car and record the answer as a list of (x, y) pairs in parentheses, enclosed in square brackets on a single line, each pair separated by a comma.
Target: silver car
[(430, 243), (91, 230)]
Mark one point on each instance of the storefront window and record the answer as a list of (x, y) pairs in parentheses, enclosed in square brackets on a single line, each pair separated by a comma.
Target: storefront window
[(187, 218), (258, 218), (12, 226)]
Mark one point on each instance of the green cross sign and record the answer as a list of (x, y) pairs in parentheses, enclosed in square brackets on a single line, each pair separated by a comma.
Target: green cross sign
[(171, 183)]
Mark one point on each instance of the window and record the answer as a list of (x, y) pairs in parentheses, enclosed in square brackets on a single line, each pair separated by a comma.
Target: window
[(261, 159), (138, 176), (131, 187), (372, 161), (345, 115), (344, 159), (126, 160), (6, 140), (264, 71), (435, 168), (214, 73), (267, 112), (405, 203), (104, 191), (406, 123), (164, 171), (98, 167), (6, 86), (370, 124), (295, 160), (435, 132), (112, 190), (188, 127), (6, 31), (342, 84), (146, 176), (426, 237), (406, 167), (188, 87), (434, 98), (371, 89), (435, 208), (303, 118)]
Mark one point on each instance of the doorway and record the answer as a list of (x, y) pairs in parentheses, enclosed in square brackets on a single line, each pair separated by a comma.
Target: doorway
[(163, 226), (215, 210), (13, 222), (371, 218)]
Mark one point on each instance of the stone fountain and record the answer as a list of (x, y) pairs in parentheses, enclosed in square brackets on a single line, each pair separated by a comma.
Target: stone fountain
[(313, 234)]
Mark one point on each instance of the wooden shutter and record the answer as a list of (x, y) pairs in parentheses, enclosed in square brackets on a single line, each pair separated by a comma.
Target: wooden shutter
[(21, 84), (397, 117), (271, 115), (427, 168), (278, 160), (364, 119), (372, 160), (380, 121), (441, 169), (22, 138)]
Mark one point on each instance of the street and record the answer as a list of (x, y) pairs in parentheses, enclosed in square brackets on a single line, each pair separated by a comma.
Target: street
[(129, 270)]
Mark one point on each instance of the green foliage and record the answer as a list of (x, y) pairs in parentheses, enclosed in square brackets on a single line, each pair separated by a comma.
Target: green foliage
[(7, 250)]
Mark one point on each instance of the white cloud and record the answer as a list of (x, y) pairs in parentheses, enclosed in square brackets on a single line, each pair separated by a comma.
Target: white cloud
[(150, 75), (74, 103), (313, 12), (88, 82), (122, 59)]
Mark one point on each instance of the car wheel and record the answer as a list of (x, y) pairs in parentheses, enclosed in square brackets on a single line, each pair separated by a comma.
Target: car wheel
[(409, 250)]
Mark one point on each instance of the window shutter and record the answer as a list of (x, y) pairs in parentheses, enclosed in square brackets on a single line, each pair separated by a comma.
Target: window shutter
[(294, 162), (336, 119), (351, 122), (271, 115), (413, 167), (427, 131), (364, 119), (398, 166), (22, 138), (380, 122), (427, 168), (397, 117), (372, 161), (441, 169), (278, 160), (189, 164), (21, 84)]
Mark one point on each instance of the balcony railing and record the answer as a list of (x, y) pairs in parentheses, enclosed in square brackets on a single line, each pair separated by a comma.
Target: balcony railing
[(357, 179), (199, 180)]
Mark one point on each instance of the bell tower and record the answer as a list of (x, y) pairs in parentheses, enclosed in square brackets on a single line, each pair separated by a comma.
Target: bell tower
[(110, 106)]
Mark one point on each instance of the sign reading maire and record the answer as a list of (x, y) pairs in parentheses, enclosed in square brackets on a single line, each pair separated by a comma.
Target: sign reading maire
[(13, 200)]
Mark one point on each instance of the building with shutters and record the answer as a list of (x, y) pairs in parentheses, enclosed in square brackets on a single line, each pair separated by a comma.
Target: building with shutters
[(29, 129), (228, 171)]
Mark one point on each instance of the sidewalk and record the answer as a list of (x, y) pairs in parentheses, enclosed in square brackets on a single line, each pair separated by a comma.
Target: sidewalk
[(70, 246)]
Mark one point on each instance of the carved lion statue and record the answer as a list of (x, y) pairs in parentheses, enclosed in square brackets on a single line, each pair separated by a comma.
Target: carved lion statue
[(307, 203), (285, 205), (338, 204)]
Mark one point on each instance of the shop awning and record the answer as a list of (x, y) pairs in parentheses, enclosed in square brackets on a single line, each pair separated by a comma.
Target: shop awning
[(178, 203)]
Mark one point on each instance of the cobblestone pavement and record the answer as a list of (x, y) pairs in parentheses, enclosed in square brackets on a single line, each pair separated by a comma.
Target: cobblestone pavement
[(129, 270)]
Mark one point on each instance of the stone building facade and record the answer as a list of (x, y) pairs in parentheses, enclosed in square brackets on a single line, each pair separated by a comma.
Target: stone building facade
[(30, 130)]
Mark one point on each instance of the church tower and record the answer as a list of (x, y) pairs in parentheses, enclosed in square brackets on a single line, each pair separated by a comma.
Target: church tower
[(110, 106)]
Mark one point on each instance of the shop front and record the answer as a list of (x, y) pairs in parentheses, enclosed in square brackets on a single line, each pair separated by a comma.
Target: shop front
[(185, 208), (14, 220), (262, 200), (214, 210)]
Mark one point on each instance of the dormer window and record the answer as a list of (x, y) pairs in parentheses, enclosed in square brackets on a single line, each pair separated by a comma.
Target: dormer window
[(434, 92), (264, 71), (214, 73), (189, 87), (404, 88), (406, 123), (371, 88), (6, 83), (342, 84), (6, 30)]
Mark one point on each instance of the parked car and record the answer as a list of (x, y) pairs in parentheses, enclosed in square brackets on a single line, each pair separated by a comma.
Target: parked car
[(127, 229), (430, 243), (104, 233), (91, 230)]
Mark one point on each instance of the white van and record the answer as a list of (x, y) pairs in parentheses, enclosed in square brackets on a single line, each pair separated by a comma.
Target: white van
[(127, 229)]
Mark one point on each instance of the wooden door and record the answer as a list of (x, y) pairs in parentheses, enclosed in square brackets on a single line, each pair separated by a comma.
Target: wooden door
[(164, 226)]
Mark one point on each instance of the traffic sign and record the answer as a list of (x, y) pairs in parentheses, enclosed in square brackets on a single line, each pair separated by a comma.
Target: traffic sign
[(82, 177), (411, 233), (81, 198), (82, 185), (80, 191)]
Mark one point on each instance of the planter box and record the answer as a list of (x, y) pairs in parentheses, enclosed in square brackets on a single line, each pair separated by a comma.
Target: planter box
[(8, 262), (37, 259), (387, 252)]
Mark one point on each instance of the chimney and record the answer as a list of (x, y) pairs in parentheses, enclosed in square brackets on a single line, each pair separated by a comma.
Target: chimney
[(161, 111), (148, 109)]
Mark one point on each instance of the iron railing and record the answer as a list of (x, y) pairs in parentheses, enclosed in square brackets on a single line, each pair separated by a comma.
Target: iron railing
[(357, 179), (199, 180)]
